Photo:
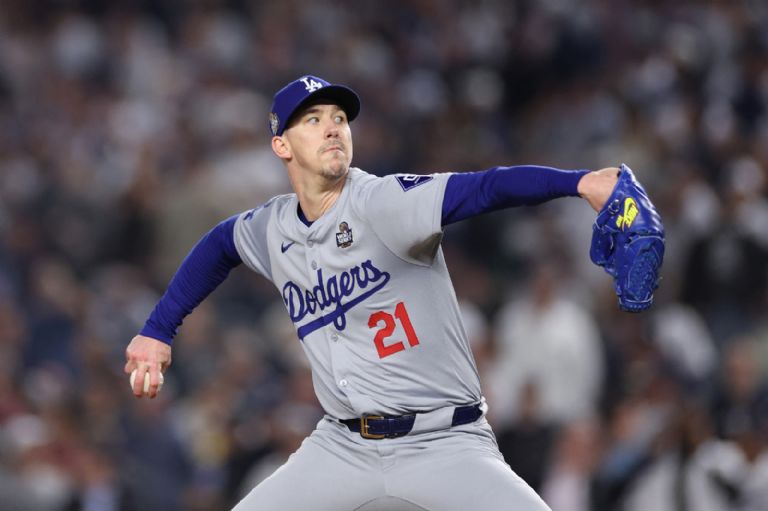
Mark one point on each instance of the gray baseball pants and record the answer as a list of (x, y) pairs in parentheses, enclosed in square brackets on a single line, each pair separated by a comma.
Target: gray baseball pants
[(456, 469)]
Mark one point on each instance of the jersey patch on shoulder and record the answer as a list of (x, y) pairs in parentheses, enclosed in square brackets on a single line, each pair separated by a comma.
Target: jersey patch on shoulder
[(254, 210), (408, 181)]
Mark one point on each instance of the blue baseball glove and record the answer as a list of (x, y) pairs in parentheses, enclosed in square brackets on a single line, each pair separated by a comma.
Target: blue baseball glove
[(628, 242)]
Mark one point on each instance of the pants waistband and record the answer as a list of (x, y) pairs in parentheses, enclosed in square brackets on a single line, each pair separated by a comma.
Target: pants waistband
[(376, 427)]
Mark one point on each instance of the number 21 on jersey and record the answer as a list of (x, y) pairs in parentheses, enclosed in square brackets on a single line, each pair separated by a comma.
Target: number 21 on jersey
[(387, 324)]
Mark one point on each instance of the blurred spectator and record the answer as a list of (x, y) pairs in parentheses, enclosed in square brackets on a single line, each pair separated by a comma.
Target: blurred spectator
[(567, 486), (689, 468), (156, 464), (527, 443), (741, 398), (727, 270), (548, 341), (636, 431), (683, 339), (756, 485)]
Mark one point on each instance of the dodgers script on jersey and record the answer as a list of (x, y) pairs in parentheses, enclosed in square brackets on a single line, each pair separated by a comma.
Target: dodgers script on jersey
[(368, 290)]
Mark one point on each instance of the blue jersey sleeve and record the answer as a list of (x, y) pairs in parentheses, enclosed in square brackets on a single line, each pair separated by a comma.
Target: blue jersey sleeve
[(472, 193), (205, 267)]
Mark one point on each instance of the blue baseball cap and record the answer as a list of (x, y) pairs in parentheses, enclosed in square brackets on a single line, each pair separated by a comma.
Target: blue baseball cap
[(301, 91)]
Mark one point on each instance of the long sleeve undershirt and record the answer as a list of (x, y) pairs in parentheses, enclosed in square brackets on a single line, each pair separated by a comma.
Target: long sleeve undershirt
[(467, 194), (472, 193), (205, 267)]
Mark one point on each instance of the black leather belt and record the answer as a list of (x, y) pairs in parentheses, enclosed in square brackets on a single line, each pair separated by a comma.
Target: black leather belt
[(376, 427)]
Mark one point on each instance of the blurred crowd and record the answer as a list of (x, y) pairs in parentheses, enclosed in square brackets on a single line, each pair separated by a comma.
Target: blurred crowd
[(129, 128)]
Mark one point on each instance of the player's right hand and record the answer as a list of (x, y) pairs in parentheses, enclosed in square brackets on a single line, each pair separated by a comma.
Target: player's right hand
[(147, 355)]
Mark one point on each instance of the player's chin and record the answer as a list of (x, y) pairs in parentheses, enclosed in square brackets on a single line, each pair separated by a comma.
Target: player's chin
[(337, 167)]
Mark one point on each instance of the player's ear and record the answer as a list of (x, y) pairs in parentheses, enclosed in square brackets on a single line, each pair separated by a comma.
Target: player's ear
[(281, 148)]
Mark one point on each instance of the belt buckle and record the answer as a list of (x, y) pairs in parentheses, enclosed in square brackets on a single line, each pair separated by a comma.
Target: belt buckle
[(364, 427)]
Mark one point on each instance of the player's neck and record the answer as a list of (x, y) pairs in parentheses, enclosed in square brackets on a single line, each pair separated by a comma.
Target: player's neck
[(316, 196)]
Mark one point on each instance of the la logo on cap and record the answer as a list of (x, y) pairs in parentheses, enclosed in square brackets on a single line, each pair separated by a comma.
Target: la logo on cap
[(300, 91), (311, 85)]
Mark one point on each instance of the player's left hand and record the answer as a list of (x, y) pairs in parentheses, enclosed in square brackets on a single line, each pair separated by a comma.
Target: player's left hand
[(597, 186), (147, 356)]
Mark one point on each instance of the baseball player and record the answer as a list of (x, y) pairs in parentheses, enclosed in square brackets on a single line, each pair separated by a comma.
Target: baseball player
[(357, 262)]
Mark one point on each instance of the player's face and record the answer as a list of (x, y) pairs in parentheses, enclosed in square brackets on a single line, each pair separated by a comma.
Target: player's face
[(321, 141)]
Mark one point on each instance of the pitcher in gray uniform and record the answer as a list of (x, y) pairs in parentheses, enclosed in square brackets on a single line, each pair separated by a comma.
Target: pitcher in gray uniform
[(357, 261)]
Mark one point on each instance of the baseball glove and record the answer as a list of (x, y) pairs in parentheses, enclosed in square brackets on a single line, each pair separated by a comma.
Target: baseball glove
[(628, 242)]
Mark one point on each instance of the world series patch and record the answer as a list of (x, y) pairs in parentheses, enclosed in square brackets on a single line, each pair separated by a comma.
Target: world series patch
[(409, 181), (274, 122), (344, 236)]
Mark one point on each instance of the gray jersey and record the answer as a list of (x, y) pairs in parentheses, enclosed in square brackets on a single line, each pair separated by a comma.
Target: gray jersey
[(368, 290)]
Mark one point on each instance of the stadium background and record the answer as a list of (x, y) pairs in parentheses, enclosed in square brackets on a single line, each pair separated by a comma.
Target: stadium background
[(129, 128)]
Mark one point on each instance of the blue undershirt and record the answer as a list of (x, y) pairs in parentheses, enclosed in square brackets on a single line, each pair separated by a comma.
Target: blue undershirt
[(205, 267), (472, 193), (466, 194)]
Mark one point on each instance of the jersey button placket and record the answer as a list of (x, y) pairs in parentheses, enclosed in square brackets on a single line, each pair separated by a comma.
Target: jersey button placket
[(311, 257)]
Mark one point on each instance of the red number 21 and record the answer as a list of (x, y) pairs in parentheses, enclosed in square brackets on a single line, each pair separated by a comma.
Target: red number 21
[(385, 331)]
